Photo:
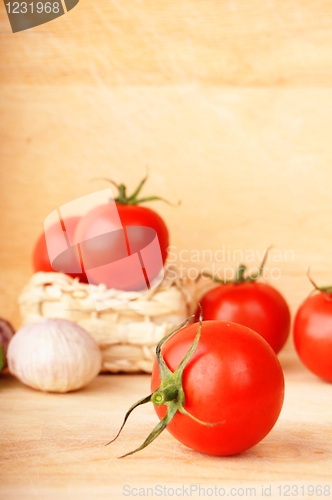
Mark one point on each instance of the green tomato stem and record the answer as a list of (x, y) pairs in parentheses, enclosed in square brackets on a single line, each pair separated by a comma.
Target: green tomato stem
[(124, 199), (170, 392), (325, 289), (240, 274)]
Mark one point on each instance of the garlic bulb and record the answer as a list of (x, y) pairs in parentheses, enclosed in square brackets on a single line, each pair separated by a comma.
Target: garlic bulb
[(54, 355)]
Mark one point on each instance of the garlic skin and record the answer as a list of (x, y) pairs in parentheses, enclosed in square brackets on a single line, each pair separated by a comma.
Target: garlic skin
[(54, 355)]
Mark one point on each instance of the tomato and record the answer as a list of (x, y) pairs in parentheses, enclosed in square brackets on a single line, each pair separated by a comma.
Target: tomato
[(312, 334), (256, 305), (233, 377), (66, 261), (123, 245)]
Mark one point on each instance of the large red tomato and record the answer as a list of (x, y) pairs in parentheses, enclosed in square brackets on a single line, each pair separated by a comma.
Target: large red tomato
[(233, 377), (67, 260), (313, 334), (119, 240), (256, 305)]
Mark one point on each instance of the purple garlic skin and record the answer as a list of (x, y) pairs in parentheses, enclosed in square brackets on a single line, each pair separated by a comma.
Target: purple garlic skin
[(6, 333)]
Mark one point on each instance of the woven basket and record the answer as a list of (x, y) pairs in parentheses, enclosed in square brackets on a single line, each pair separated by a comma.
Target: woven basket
[(126, 334)]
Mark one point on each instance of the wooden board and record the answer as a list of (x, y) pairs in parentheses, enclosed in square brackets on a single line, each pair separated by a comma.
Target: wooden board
[(187, 42), (246, 179), (229, 103), (53, 446)]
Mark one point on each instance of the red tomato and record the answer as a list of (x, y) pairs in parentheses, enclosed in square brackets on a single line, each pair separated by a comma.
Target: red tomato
[(67, 260), (233, 377), (256, 305), (106, 242), (313, 334)]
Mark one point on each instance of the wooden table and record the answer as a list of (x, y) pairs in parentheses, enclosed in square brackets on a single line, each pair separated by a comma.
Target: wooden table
[(53, 446)]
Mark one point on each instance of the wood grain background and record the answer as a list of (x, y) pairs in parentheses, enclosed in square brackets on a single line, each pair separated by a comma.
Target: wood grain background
[(229, 103)]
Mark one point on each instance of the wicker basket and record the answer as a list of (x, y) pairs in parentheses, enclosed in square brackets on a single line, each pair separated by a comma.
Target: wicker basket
[(126, 334)]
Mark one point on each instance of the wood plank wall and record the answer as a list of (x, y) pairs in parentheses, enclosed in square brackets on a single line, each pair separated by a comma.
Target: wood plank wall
[(229, 103)]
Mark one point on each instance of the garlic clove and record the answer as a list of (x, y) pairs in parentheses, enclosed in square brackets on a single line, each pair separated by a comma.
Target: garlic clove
[(54, 355)]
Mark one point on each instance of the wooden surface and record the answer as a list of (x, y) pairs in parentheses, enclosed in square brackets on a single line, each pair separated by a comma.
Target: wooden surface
[(227, 43), (52, 446), (230, 105)]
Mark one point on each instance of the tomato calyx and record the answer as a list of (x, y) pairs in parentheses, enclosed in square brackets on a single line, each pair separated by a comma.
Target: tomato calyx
[(170, 392), (241, 274), (327, 290), (124, 199)]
